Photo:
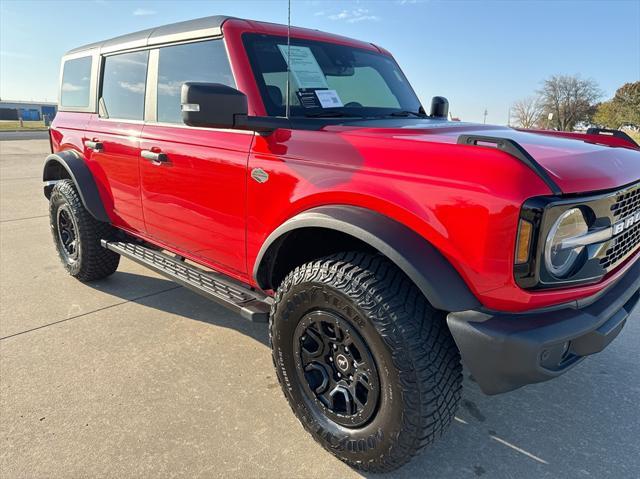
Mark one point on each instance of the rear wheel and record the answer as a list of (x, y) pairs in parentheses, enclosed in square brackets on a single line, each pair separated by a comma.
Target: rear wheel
[(367, 365), (77, 235)]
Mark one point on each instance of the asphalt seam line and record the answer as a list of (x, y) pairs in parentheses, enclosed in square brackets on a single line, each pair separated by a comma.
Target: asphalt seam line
[(518, 449), (22, 219), (132, 300)]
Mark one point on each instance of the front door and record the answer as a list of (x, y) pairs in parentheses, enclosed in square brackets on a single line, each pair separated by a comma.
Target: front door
[(194, 179)]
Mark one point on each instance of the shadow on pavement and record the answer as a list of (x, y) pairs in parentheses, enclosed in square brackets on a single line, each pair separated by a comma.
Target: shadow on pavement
[(169, 297)]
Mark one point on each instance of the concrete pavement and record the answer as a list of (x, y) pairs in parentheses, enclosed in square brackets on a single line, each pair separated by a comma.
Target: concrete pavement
[(136, 377)]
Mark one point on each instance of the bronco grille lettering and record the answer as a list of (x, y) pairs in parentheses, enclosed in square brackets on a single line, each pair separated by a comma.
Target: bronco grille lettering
[(625, 223)]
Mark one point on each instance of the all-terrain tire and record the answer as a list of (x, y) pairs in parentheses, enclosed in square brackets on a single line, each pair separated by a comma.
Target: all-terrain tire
[(77, 235), (418, 363)]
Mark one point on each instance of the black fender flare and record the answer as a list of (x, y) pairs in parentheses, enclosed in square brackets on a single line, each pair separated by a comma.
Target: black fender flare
[(431, 272), (80, 174)]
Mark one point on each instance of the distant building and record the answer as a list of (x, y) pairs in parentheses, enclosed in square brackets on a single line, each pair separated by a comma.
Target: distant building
[(28, 111)]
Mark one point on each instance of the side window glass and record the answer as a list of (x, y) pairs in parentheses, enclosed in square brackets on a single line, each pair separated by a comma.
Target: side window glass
[(76, 82), (123, 85), (200, 62)]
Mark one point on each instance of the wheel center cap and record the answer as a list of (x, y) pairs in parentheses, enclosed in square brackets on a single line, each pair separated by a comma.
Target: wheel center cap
[(342, 362)]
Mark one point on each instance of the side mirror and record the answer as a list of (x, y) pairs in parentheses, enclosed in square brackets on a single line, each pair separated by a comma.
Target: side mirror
[(439, 107), (212, 105)]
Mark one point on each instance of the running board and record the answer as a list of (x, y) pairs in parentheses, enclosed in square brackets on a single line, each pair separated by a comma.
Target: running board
[(250, 304)]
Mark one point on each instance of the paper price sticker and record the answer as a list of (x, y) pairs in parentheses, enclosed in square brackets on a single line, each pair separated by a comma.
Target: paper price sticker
[(304, 67)]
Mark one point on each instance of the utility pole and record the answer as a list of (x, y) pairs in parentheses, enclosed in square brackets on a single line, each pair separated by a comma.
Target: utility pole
[(485, 116), (509, 117)]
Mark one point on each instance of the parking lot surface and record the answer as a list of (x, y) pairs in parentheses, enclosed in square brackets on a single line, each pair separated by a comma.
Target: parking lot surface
[(134, 376)]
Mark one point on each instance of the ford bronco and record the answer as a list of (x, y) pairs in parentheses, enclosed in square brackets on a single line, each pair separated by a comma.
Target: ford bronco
[(295, 177)]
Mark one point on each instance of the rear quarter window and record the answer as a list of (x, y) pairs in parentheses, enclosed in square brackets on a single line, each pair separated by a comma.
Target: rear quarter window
[(124, 78), (76, 83)]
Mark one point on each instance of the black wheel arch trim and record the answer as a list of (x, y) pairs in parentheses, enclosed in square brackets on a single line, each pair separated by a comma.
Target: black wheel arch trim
[(81, 175), (431, 272)]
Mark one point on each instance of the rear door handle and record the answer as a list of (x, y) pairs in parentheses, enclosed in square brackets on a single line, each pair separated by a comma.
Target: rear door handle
[(94, 145), (156, 158)]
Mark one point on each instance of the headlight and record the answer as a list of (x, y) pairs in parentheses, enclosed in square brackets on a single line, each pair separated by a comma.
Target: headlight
[(558, 258)]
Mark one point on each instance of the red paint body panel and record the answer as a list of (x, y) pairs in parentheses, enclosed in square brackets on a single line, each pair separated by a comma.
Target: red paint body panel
[(196, 201), (575, 166), (464, 200), (116, 168), (415, 186), (455, 196), (67, 133)]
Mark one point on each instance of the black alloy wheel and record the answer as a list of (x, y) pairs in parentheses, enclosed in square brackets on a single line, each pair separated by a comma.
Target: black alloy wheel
[(68, 234), (336, 368)]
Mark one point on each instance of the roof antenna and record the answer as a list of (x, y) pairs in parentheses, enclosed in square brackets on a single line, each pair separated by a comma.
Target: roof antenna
[(287, 107)]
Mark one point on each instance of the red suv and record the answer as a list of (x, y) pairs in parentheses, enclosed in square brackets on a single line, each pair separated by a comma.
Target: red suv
[(298, 180)]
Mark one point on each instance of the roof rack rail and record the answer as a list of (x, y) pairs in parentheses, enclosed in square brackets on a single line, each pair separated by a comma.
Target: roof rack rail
[(615, 133), (514, 149)]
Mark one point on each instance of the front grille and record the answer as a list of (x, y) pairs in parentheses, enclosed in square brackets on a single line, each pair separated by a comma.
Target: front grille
[(626, 202), (622, 246)]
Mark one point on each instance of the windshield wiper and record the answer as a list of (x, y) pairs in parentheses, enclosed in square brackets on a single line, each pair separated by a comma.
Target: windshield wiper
[(331, 114), (406, 113)]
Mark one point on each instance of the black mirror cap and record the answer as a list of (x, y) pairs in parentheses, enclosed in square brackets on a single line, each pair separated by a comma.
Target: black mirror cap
[(211, 105), (439, 107)]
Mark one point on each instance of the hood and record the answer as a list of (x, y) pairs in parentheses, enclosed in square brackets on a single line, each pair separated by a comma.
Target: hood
[(575, 165)]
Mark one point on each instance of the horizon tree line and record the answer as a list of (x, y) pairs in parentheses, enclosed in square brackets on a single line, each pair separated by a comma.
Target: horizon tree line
[(566, 101)]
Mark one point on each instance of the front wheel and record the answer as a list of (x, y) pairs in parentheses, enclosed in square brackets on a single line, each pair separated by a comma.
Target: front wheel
[(367, 365)]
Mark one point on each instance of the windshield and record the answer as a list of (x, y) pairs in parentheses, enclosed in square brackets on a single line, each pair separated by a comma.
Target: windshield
[(327, 79)]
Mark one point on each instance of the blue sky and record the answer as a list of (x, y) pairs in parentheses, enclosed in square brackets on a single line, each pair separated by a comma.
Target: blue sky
[(479, 54)]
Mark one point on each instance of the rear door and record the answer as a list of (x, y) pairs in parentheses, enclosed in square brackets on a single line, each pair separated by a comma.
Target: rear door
[(112, 139), (193, 200)]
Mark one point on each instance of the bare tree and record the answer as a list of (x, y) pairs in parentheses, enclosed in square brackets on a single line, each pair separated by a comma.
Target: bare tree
[(527, 112), (571, 99)]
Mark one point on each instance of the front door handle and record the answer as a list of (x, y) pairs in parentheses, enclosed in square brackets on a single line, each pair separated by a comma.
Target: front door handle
[(156, 158), (94, 145)]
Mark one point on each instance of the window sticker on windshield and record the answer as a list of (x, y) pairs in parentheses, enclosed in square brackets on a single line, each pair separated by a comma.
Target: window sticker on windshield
[(329, 98), (304, 67)]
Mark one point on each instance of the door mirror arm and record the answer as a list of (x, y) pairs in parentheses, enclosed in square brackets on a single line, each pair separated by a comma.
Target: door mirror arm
[(260, 124)]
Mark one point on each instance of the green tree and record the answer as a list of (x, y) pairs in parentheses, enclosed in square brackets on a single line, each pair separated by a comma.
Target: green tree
[(606, 115), (623, 109)]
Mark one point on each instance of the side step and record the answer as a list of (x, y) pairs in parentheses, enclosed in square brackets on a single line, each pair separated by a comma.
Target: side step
[(250, 304)]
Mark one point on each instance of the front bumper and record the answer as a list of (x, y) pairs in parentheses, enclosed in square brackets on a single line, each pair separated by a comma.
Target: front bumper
[(505, 351)]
